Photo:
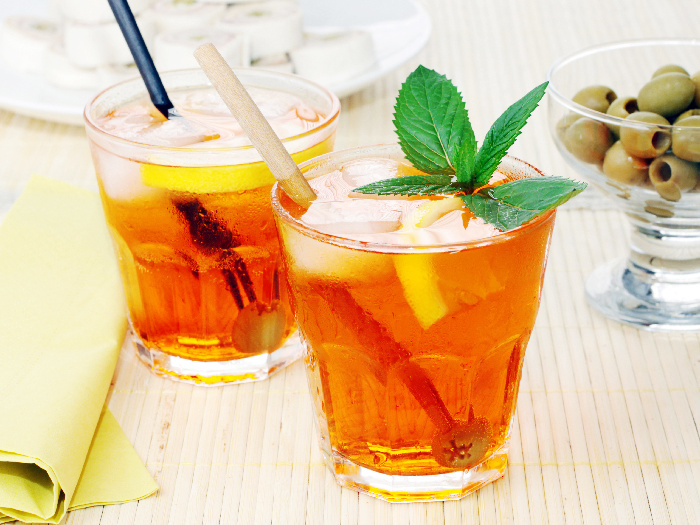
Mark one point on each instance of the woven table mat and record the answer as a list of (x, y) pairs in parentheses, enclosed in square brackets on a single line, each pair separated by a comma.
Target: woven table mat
[(605, 429)]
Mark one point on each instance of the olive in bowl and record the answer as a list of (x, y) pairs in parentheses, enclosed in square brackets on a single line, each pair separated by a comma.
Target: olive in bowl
[(622, 135), (686, 139)]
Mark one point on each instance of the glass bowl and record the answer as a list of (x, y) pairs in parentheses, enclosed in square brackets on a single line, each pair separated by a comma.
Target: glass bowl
[(650, 170)]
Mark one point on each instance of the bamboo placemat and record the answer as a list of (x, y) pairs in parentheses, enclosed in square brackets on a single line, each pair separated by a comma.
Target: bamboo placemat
[(605, 430)]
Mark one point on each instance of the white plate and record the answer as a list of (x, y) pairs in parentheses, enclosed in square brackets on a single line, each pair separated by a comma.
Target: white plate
[(400, 29)]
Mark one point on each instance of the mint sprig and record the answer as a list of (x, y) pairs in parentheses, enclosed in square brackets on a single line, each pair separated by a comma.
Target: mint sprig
[(432, 124)]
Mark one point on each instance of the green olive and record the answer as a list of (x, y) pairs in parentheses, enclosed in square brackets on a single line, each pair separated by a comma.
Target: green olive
[(620, 166), (597, 98), (259, 327), (621, 107), (686, 142), (669, 94), (696, 80), (643, 137), (588, 140), (672, 176), (670, 68), (690, 113), (463, 445), (565, 122)]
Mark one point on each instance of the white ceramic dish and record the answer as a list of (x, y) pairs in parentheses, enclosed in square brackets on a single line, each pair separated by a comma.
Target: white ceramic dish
[(400, 30)]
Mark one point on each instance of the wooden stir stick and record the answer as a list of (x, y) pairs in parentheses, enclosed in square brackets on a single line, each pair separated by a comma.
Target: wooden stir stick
[(255, 125)]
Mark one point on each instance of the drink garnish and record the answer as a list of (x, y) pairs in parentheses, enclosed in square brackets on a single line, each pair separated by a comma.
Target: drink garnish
[(205, 179), (434, 132), (212, 237)]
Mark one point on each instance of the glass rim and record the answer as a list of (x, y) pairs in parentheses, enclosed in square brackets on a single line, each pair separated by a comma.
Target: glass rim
[(554, 93), (328, 119), (282, 214)]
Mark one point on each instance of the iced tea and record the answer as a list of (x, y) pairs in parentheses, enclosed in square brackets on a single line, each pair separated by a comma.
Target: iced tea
[(187, 202), (415, 315)]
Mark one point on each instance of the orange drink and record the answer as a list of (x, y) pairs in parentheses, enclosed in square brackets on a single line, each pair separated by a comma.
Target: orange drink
[(187, 202), (415, 315)]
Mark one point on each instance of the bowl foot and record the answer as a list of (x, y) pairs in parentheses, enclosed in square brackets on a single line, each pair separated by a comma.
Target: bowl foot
[(623, 291)]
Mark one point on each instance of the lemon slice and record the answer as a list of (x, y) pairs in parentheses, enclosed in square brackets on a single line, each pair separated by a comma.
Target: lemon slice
[(420, 288), (220, 179), (207, 179), (427, 213), (416, 271)]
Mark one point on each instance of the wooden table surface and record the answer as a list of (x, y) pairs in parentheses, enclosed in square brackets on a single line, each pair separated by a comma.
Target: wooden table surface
[(606, 426)]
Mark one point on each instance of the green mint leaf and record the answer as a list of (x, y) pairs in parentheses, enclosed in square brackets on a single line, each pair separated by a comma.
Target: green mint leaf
[(431, 121), (503, 134), (411, 185), (465, 162), (514, 203), (501, 215), (536, 193)]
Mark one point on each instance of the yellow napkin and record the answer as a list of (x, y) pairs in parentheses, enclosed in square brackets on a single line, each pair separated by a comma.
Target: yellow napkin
[(62, 323)]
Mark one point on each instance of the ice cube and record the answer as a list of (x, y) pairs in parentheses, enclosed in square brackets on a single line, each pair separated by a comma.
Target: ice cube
[(176, 133), (126, 123), (330, 187), (360, 216), (364, 171), (120, 178), (306, 112), (286, 128), (287, 114), (146, 128), (274, 104), (327, 261), (201, 101)]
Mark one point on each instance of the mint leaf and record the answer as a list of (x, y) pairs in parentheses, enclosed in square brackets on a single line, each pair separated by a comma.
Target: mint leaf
[(411, 185), (536, 193), (514, 203), (431, 121), (466, 157), (503, 134), (501, 215)]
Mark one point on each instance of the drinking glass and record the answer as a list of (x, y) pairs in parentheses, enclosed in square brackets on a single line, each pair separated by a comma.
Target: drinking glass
[(195, 236), (413, 404)]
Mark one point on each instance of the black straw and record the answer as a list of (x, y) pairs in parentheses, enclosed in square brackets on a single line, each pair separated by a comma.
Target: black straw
[(137, 46)]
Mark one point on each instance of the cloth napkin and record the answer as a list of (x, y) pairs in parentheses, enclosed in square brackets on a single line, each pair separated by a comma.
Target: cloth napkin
[(62, 323)]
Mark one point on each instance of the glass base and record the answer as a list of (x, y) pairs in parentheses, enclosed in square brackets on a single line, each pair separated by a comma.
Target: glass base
[(632, 294), (410, 489), (214, 373)]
